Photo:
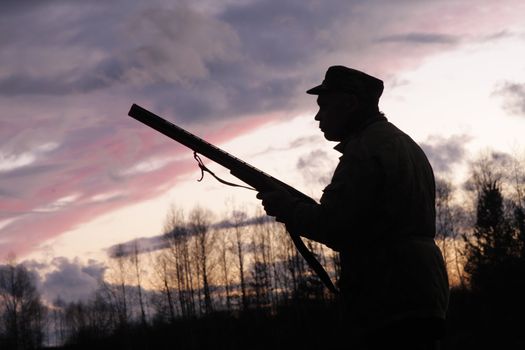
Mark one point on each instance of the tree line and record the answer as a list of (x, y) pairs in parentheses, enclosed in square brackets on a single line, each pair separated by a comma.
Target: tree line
[(248, 265)]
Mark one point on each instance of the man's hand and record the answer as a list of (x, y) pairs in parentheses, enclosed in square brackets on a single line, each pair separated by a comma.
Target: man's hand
[(277, 202)]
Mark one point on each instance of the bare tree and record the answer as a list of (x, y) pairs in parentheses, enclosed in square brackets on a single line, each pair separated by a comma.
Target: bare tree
[(261, 267), (199, 224), (177, 237), (237, 218), (22, 312), (269, 240), (58, 326), (517, 180), (224, 247), (282, 246), (163, 274), (136, 263), (448, 221), (117, 289), (296, 265)]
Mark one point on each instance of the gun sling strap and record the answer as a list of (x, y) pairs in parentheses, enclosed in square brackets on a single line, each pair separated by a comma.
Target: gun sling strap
[(314, 264), (205, 169)]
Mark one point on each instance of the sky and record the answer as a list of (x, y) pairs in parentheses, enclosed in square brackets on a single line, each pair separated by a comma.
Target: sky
[(77, 175)]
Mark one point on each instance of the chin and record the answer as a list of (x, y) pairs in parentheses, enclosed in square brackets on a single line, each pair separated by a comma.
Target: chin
[(330, 137)]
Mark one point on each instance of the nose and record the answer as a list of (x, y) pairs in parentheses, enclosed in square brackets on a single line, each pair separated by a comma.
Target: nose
[(318, 116)]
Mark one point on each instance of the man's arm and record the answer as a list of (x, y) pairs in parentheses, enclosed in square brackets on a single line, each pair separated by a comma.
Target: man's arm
[(347, 207)]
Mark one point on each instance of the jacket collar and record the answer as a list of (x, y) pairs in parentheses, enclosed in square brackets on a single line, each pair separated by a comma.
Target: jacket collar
[(340, 147)]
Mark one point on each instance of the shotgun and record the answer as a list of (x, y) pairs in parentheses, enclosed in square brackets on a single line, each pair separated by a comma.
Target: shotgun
[(259, 180)]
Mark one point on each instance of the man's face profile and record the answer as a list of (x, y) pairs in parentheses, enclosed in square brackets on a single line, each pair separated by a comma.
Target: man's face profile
[(334, 114)]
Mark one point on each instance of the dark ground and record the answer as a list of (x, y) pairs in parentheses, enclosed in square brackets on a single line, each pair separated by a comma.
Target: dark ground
[(309, 325)]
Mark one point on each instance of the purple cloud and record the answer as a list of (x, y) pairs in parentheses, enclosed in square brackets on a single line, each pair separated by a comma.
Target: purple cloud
[(71, 70), (71, 280), (513, 97), (445, 152)]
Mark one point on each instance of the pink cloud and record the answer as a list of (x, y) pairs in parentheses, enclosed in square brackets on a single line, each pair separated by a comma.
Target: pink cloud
[(87, 174), (31, 230)]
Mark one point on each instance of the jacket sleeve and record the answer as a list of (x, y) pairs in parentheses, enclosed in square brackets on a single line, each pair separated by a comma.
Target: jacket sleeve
[(347, 203)]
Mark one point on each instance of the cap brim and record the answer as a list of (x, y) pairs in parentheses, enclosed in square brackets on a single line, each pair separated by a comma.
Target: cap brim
[(317, 90)]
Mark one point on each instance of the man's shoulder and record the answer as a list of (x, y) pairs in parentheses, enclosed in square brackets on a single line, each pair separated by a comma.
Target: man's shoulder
[(375, 138), (381, 131)]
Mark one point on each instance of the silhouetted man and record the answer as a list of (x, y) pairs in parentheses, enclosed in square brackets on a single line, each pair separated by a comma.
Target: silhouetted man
[(378, 212)]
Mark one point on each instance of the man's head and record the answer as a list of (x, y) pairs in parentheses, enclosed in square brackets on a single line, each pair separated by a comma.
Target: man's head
[(346, 98)]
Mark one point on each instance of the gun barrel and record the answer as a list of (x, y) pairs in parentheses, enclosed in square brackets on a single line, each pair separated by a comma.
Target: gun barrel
[(186, 138), (240, 169)]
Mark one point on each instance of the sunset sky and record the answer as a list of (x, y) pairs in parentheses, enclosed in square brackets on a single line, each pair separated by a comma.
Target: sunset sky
[(78, 175)]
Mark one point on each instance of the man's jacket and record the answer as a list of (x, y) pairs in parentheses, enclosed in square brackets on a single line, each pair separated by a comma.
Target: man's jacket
[(379, 213)]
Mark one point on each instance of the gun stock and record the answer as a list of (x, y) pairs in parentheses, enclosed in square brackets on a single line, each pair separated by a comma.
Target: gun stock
[(238, 168)]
